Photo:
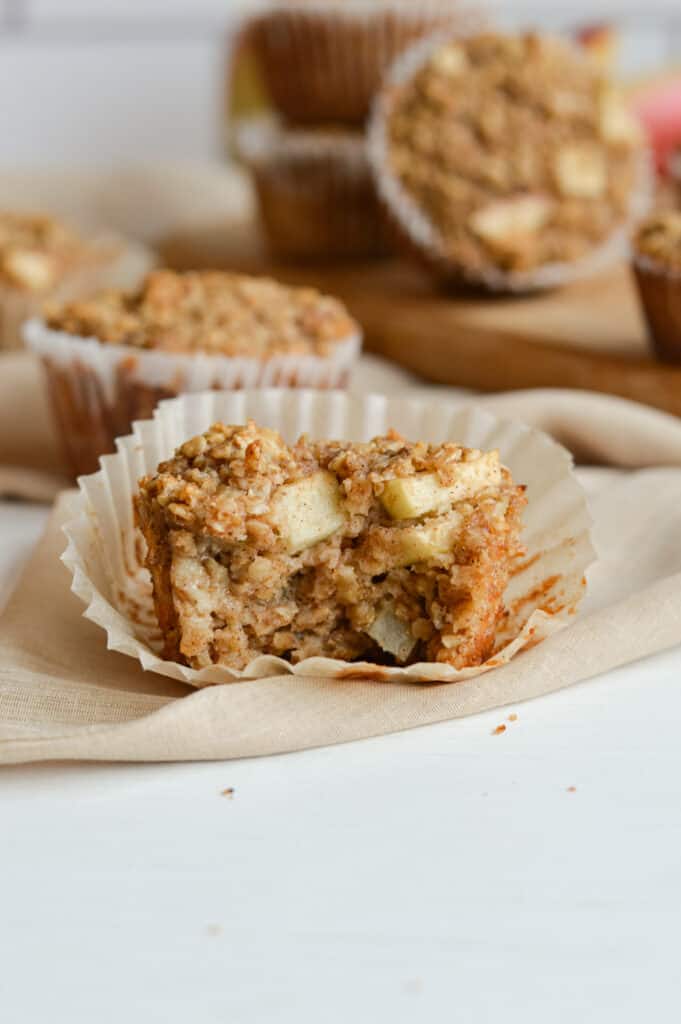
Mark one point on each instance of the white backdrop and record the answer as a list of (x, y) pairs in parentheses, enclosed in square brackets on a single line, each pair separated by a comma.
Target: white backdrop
[(109, 81)]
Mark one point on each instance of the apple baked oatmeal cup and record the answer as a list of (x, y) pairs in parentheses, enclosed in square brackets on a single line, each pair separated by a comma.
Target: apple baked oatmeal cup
[(507, 162), (109, 359), (44, 259), (390, 551)]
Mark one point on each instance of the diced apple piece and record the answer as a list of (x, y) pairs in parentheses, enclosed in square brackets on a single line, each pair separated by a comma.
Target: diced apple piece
[(450, 60), (32, 270), (581, 171), (503, 221), (423, 542), (617, 123), (308, 511), (392, 634), (413, 496)]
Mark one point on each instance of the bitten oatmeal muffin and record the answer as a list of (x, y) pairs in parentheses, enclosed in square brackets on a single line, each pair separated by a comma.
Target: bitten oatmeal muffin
[(110, 359), (505, 155), (40, 258), (657, 269), (391, 551)]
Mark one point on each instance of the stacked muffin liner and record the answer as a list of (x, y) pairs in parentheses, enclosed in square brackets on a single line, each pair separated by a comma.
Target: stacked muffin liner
[(322, 62), (105, 553)]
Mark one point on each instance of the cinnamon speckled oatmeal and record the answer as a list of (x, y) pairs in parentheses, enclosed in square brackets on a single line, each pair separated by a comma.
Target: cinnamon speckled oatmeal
[(36, 251), (516, 148), (391, 551), (213, 312)]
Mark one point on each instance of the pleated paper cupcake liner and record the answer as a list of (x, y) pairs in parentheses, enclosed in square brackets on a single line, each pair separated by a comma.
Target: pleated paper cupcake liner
[(419, 236), (105, 551), (98, 390), (323, 61)]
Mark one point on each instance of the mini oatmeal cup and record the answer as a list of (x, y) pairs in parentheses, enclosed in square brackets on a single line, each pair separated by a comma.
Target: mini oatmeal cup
[(323, 60), (111, 358), (42, 258), (507, 162), (256, 551), (657, 270)]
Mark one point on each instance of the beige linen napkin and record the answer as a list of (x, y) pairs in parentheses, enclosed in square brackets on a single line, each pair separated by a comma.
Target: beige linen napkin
[(63, 695)]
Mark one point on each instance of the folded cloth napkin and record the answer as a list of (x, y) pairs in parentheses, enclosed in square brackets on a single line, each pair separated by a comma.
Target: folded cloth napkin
[(68, 697)]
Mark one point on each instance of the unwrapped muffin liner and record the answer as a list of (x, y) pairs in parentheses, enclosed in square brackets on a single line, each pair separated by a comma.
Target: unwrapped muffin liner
[(315, 190), (105, 550), (110, 262), (97, 390), (419, 235), (323, 61)]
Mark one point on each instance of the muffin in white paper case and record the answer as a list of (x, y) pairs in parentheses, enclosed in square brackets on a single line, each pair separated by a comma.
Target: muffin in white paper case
[(419, 234), (97, 390), (105, 551)]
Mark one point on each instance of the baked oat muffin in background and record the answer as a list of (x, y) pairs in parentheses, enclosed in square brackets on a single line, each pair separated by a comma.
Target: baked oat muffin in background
[(391, 551), (323, 60), (42, 258), (111, 358), (315, 191), (507, 161), (657, 270)]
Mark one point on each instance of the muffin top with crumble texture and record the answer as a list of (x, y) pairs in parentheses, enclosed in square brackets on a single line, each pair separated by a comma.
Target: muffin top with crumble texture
[(212, 312)]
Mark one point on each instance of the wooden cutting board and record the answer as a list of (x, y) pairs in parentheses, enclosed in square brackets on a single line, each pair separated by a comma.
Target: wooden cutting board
[(589, 335)]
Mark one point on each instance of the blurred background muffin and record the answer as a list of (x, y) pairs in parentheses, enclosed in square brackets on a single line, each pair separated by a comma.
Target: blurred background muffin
[(657, 268), (323, 60), (109, 359), (43, 258), (316, 64), (508, 161)]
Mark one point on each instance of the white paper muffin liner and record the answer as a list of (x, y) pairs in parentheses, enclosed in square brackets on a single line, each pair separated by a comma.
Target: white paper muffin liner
[(105, 550), (115, 263), (421, 234), (98, 390)]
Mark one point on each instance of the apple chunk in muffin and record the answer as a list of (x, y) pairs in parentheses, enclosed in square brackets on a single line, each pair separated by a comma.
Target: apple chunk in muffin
[(389, 551)]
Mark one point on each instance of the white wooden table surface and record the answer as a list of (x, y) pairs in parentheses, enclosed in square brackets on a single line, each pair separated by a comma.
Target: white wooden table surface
[(444, 874)]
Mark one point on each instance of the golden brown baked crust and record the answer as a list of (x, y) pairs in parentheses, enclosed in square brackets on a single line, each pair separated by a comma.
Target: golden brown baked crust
[(391, 551), (516, 148), (37, 251), (213, 312)]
